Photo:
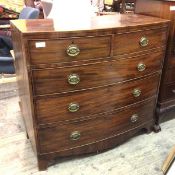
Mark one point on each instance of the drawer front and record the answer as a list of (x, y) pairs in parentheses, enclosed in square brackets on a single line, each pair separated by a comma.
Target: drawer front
[(71, 106), (48, 81), (55, 51), (79, 133), (131, 42)]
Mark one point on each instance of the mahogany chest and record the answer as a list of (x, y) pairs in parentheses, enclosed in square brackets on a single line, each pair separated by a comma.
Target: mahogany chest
[(86, 88)]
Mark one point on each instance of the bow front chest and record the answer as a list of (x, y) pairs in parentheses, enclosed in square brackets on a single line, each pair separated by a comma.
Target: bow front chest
[(87, 87)]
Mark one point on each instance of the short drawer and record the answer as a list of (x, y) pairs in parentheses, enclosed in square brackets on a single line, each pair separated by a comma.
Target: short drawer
[(65, 50), (48, 81), (79, 133), (75, 105), (129, 43)]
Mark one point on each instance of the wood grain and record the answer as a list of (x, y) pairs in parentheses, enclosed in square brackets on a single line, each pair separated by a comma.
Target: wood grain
[(162, 9), (55, 50), (107, 66), (24, 86), (55, 108), (130, 41), (169, 92), (93, 130), (96, 25), (94, 75)]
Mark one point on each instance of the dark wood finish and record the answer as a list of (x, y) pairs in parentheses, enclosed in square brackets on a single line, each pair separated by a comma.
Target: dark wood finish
[(95, 74), (24, 85), (93, 130), (94, 147), (55, 50), (55, 109), (107, 67), (35, 29), (157, 38), (170, 91), (169, 76), (161, 8)]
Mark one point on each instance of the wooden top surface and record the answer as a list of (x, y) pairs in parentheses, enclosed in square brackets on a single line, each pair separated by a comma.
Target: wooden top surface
[(93, 23)]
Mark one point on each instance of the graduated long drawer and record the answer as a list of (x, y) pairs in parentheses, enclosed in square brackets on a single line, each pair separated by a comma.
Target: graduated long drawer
[(79, 133), (76, 105), (58, 80)]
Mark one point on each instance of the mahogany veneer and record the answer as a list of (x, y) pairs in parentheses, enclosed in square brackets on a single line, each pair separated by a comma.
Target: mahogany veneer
[(97, 99), (112, 71), (163, 9)]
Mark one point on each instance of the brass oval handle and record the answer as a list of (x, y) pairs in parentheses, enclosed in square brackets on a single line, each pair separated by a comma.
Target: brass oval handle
[(73, 79), (144, 41), (73, 50), (136, 92), (75, 135), (73, 107), (134, 118), (141, 67)]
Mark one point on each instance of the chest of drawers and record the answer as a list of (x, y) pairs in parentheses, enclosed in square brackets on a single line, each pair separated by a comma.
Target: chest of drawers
[(87, 88)]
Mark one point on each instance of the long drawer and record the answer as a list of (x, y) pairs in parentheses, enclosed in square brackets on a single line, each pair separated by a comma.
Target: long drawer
[(54, 51), (79, 133), (139, 41), (48, 81), (77, 105)]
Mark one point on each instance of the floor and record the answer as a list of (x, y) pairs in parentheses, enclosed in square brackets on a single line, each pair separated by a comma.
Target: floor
[(141, 155)]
